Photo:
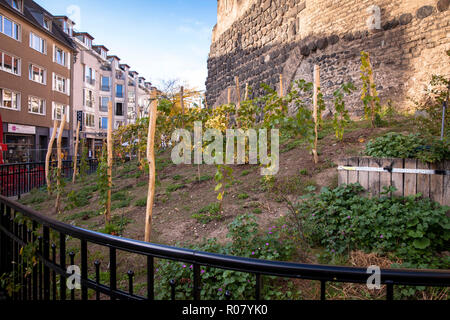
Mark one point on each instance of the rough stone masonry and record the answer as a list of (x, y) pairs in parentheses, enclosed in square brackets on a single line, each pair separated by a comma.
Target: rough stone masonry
[(259, 39)]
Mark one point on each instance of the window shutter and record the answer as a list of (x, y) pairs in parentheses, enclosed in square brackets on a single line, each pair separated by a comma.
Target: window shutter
[(53, 110), (68, 61), (68, 87), (53, 81), (68, 114), (54, 53)]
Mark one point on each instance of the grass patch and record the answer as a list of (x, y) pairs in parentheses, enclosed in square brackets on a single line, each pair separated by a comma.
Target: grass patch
[(121, 204), (243, 196), (141, 202), (208, 213), (177, 177), (85, 215), (245, 173), (174, 187), (119, 196)]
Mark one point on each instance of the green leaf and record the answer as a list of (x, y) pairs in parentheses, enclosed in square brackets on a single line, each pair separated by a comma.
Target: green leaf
[(422, 243)]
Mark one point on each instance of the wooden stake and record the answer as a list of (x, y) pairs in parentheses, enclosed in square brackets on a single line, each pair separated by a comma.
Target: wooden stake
[(60, 155), (315, 112), (110, 161), (371, 92), (281, 86), (182, 99), (238, 92), (75, 159), (229, 95), (246, 91), (139, 135), (151, 166), (49, 154)]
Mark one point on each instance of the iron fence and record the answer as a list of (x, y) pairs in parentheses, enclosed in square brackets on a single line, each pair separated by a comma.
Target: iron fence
[(20, 178), (47, 280)]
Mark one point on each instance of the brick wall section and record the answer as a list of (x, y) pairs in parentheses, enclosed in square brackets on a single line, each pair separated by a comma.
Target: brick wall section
[(290, 36)]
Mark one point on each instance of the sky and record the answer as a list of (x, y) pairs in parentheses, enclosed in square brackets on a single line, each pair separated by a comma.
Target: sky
[(160, 39)]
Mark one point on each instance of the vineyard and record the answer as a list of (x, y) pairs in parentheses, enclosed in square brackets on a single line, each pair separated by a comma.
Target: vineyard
[(233, 209)]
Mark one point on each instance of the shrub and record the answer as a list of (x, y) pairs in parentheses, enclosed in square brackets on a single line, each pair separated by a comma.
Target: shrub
[(246, 241), (175, 187), (396, 145), (77, 199), (341, 220), (118, 196)]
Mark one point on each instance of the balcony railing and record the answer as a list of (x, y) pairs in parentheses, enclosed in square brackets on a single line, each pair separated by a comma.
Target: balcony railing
[(103, 108), (90, 80), (105, 88)]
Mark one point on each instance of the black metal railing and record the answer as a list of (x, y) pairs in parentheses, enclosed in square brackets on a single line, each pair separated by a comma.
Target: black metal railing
[(20, 178), (47, 278)]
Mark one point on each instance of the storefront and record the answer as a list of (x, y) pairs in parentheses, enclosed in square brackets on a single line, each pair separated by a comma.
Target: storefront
[(21, 142)]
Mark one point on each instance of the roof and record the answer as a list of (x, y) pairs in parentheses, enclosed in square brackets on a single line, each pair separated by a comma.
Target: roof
[(116, 57), (100, 46), (125, 65), (83, 34), (28, 8)]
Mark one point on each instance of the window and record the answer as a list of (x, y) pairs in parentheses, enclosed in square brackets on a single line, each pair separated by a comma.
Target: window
[(104, 104), (103, 123), (88, 42), (119, 91), (67, 28), (36, 105), (9, 99), (47, 24), (59, 110), (9, 28), (105, 84), (131, 97), (89, 75), (37, 74), (60, 84), (16, 4), (89, 120), (9, 63), (37, 43), (88, 98), (119, 109), (60, 56), (103, 53)]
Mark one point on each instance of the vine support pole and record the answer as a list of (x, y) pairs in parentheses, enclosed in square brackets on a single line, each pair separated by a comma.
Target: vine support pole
[(110, 161), (315, 111), (75, 159), (60, 155), (238, 92), (229, 95), (281, 86), (49, 154), (151, 166), (371, 91)]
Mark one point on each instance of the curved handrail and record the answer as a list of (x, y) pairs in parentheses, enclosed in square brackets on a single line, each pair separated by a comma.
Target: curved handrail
[(275, 268)]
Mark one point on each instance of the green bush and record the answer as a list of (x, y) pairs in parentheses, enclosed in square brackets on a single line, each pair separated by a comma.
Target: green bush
[(396, 145), (341, 220), (246, 241), (78, 199)]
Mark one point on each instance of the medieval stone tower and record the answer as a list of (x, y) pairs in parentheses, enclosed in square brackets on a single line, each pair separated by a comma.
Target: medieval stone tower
[(259, 39)]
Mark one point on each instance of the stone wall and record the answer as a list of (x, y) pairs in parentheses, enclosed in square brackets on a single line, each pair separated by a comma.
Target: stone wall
[(288, 37)]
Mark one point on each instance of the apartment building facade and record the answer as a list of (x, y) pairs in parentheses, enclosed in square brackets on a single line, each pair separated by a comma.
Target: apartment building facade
[(100, 78), (47, 69), (35, 79)]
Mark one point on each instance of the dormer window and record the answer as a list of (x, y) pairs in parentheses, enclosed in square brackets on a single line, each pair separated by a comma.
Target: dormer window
[(47, 24), (87, 42), (103, 53), (67, 28), (16, 4)]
